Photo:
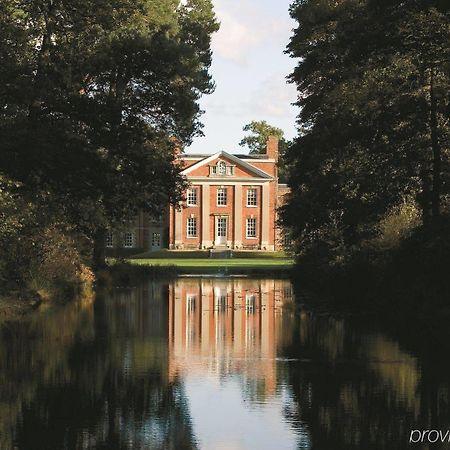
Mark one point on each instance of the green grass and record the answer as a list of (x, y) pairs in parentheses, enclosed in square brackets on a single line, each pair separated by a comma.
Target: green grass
[(212, 265), (206, 262), (204, 254)]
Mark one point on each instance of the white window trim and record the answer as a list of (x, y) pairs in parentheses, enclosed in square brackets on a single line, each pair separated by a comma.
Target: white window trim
[(221, 164), (246, 228), (215, 172), (225, 196), (188, 203), (256, 198), (187, 228)]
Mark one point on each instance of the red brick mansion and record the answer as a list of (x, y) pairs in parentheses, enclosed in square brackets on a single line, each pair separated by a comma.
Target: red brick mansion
[(231, 203)]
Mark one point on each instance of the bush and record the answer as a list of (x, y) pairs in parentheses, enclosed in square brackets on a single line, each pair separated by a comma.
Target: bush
[(39, 252)]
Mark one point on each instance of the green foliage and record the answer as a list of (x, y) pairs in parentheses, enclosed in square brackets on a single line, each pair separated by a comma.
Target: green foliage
[(373, 81), (259, 133), (93, 97), (256, 141), (396, 226), (37, 247)]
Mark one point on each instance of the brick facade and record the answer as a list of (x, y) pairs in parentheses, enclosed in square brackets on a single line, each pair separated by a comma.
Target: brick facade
[(237, 223), (234, 206)]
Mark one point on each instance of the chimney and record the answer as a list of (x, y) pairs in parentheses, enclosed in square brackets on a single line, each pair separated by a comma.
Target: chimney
[(272, 148)]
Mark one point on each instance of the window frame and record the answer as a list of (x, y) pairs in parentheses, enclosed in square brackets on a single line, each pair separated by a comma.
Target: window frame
[(222, 168), (224, 197), (255, 191), (159, 234), (247, 229), (189, 228), (131, 234), (109, 240), (194, 191)]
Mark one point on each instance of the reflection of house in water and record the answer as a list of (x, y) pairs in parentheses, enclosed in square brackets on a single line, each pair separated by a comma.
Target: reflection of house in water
[(226, 326)]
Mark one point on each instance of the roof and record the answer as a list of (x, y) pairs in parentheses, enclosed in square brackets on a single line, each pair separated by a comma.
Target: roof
[(208, 158), (207, 155)]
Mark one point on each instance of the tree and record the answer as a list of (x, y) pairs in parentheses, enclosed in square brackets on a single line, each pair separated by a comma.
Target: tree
[(93, 95), (373, 83), (256, 141), (259, 133)]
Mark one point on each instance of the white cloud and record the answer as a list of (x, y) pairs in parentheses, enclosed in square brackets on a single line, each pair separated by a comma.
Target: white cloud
[(234, 39), (244, 26), (274, 98)]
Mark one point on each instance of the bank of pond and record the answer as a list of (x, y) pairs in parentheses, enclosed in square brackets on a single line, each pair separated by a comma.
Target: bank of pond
[(216, 361)]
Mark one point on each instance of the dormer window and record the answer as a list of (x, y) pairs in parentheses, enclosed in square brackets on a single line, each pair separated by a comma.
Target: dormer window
[(221, 169)]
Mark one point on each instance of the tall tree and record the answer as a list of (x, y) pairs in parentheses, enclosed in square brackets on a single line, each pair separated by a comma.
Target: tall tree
[(373, 83), (258, 132), (92, 95)]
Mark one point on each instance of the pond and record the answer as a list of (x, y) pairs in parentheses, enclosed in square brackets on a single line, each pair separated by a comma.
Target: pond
[(212, 363)]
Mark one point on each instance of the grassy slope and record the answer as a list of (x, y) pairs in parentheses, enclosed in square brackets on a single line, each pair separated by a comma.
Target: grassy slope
[(207, 262), (198, 254), (258, 264)]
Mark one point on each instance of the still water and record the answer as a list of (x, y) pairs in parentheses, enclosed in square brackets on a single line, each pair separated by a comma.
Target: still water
[(211, 363)]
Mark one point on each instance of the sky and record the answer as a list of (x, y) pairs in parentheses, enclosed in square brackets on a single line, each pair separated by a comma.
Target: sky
[(249, 68)]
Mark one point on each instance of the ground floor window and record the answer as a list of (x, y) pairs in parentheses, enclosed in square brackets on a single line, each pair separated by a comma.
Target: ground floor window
[(129, 239), (192, 227), (251, 227), (109, 239), (156, 239)]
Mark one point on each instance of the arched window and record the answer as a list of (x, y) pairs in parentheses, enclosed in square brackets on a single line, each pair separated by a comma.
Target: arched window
[(221, 168)]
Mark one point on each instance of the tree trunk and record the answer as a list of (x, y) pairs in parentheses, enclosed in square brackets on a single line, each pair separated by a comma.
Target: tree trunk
[(437, 157), (99, 253), (424, 198)]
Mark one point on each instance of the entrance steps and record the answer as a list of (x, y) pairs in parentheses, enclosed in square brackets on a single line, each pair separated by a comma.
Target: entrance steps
[(220, 253)]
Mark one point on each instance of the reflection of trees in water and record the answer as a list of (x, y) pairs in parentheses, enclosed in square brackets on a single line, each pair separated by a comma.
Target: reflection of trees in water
[(106, 387), (97, 376), (357, 389), (35, 352)]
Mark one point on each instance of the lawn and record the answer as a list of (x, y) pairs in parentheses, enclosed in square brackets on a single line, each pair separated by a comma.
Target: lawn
[(212, 265), (204, 254), (207, 262)]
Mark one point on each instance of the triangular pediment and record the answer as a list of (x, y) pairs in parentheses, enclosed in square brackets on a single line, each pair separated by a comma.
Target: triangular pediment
[(243, 168)]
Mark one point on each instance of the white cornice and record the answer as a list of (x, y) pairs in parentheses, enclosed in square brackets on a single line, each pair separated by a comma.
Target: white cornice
[(258, 172), (230, 181)]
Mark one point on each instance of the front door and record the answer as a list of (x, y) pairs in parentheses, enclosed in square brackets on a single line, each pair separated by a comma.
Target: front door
[(221, 231)]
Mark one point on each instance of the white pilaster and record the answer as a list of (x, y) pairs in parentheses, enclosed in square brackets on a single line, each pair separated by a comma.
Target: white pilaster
[(206, 232), (265, 215), (238, 226)]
